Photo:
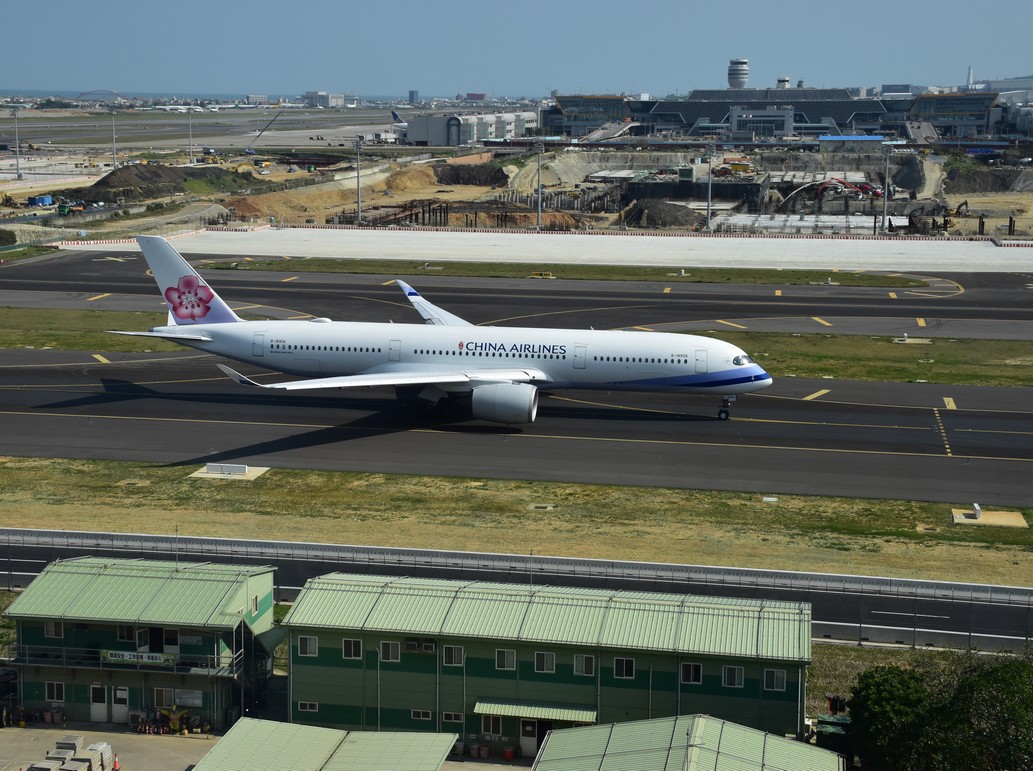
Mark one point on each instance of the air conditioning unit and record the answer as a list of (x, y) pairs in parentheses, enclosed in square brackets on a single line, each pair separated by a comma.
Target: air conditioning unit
[(429, 646), (412, 645)]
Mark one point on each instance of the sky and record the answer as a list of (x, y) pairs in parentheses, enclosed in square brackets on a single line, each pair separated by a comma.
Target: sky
[(522, 48)]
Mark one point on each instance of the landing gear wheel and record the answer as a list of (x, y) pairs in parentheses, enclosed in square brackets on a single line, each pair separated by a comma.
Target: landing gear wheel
[(722, 414)]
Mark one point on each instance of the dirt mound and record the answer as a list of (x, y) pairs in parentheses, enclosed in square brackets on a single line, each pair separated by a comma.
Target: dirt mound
[(661, 214), (141, 182), (980, 181), (416, 178)]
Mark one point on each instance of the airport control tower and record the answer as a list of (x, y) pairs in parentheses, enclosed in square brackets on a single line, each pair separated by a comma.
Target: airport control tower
[(738, 73)]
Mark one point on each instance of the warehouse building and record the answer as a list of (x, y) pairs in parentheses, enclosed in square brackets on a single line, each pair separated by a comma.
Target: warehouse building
[(455, 130), (688, 743), (503, 664), (122, 641)]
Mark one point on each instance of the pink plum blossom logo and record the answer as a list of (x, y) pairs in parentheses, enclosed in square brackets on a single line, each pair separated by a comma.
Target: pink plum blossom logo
[(189, 300)]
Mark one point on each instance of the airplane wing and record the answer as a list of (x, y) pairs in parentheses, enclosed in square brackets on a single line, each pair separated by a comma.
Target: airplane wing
[(172, 336), (441, 377), (431, 313)]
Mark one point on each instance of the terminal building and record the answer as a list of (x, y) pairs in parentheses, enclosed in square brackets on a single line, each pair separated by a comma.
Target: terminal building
[(503, 664), (455, 130)]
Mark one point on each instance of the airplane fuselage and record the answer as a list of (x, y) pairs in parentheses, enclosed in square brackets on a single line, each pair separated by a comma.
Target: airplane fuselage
[(570, 358)]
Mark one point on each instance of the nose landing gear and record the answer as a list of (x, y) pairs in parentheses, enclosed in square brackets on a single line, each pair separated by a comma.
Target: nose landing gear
[(726, 403)]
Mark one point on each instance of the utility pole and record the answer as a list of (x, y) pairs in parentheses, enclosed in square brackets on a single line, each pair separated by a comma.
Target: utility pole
[(358, 180), (17, 147), (114, 155), (710, 183), (190, 135), (539, 148), (885, 186)]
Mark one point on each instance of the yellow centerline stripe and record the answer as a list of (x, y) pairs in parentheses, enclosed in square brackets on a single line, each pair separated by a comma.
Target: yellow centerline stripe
[(921, 322), (817, 394), (101, 359), (291, 278), (729, 323), (98, 297), (247, 307), (821, 321)]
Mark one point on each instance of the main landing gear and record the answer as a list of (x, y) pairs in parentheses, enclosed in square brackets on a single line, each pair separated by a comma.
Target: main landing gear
[(726, 403)]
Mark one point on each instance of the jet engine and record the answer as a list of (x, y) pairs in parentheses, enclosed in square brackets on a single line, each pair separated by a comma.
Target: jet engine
[(505, 402)]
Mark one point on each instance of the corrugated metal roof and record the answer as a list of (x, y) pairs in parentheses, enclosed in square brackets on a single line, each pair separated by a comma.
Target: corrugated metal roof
[(538, 710), (138, 592), (687, 743), (267, 745), (744, 628)]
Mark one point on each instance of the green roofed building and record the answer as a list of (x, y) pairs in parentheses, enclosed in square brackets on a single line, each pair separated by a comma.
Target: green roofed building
[(687, 743), (117, 640), (265, 745), (503, 664)]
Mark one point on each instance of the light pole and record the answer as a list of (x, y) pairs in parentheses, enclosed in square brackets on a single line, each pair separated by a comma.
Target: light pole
[(190, 136), (114, 155), (710, 182), (358, 180), (885, 186), (539, 148), (17, 147)]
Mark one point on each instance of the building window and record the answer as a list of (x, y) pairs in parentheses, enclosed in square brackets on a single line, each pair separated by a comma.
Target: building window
[(53, 629), (491, 724), (584, 665), (420, 714), (126, 633), (55, 691), (452, 655), (505, 659), (774, 679), (351, 649), (390, 651), (308, 706), (544, 662), (254, 605), (171, 638), (308, 646), (452, 717), (731, 677), (624, 669), (692, 674), (164, 698)]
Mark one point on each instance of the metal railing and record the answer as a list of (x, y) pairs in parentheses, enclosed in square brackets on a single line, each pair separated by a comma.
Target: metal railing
[(229, 665)]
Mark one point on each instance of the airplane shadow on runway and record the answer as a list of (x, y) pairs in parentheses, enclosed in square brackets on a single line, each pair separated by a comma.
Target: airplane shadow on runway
[(384, 416)]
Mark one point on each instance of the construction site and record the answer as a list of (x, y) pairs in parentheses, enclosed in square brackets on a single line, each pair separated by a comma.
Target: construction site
[(782, 190)]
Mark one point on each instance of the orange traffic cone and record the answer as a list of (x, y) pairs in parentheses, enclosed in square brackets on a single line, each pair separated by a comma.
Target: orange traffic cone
[(116, 766)]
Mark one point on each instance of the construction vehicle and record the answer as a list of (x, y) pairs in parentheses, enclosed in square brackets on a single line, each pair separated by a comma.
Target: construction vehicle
[(962, 209), (249, 150)]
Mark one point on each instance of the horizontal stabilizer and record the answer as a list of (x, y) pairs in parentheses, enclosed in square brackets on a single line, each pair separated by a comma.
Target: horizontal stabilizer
[(172, 336)]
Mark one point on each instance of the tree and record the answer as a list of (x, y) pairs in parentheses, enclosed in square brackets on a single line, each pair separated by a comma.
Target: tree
[(888, 716)]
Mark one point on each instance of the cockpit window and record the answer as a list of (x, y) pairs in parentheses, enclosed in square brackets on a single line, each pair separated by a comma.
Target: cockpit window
[(743, 359)]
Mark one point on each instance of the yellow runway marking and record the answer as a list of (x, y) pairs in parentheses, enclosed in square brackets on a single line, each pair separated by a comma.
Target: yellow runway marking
[(921, 322), (302, 316), (942, 431), (290, 278), (778, 293), (948, 402), (388, 283), (98, 297), (817, 394), (247, 307), (667, 290), (821, 321), (893, 295), (644, 329), (101, 359), (729, 323)]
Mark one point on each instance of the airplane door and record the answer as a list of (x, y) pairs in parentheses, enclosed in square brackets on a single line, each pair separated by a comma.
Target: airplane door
[(98, 703), (258, 345), (701, 361), (580, 356), (394, 350)]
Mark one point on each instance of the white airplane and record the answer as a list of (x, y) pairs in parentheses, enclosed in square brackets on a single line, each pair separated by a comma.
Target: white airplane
[(500, 369), (399, 122)]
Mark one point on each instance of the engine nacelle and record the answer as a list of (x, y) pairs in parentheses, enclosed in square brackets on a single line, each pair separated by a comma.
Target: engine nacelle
[(505, 402)]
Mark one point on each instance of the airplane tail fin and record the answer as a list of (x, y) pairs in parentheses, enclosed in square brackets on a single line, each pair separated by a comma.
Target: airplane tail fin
[(189, 299), (396, 117)]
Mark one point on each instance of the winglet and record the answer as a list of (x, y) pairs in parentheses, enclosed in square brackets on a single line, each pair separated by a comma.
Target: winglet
[(236, 376), (431, 313)]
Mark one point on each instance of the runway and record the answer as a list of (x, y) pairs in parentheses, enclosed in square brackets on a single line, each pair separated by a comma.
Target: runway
[(884, 440)]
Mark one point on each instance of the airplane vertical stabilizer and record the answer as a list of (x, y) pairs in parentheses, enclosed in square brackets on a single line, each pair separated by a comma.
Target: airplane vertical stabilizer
[(190, 300)]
